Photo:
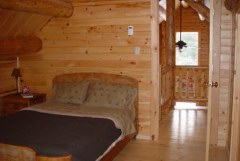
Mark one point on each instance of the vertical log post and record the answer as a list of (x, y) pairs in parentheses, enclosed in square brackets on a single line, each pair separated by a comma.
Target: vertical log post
[(171, 41)]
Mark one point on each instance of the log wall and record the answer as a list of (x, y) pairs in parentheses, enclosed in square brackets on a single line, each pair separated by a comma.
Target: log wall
[(95, 39), (166, 72)]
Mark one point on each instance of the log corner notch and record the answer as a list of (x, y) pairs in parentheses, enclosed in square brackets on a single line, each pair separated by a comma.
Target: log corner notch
[(56, 8), (233, 5), (200, 8), (20, 45)]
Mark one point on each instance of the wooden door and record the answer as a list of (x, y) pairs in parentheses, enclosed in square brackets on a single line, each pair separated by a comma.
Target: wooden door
[(213, 90), (235, 137)]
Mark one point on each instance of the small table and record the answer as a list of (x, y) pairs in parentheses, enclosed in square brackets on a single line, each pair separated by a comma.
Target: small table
[(15, 102)]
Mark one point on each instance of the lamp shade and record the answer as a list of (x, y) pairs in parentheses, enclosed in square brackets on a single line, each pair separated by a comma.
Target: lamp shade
[(16, 73)]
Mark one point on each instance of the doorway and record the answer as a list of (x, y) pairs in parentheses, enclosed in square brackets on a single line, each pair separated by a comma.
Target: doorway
[(189, 85)]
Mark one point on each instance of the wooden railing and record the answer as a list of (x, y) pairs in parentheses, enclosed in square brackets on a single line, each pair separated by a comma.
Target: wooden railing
[(190, 84)]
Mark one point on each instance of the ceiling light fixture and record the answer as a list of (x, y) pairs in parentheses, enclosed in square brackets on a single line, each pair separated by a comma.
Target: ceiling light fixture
[(180, 44)]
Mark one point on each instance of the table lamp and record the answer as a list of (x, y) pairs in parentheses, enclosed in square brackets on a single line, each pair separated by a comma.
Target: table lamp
[(16, 73)]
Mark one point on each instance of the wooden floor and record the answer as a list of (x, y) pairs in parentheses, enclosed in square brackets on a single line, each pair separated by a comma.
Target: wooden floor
[(182, 138)]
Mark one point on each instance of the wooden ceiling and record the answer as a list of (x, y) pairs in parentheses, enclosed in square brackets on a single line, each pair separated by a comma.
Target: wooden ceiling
[(16, 23), (21, 19), (200, 6)]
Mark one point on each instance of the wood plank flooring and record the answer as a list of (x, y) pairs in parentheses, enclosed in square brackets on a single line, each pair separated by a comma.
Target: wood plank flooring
[(182, 138)]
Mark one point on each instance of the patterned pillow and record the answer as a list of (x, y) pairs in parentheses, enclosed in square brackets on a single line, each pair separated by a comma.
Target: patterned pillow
[(110, 95), (74, 93)]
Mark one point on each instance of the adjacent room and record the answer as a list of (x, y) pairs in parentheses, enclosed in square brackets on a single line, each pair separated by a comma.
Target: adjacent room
[(122, 80)]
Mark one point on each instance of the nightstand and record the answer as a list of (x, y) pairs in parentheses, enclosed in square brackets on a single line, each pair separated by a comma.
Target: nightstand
[(15, 102)]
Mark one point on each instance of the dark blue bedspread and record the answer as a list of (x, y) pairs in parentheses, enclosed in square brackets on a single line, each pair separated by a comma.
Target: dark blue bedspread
[(55, 135)]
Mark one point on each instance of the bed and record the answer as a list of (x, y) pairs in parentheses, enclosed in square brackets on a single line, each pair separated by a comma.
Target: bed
[(92, 116)]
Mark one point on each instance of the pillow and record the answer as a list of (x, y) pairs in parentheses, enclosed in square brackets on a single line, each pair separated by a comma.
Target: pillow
[(74, 93), (110, 95)]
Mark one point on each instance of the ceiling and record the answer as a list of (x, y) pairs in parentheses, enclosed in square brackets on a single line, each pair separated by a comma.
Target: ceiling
[(163, 6)]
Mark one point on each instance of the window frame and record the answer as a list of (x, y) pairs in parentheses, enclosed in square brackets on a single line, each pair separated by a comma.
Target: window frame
[(199, 39)]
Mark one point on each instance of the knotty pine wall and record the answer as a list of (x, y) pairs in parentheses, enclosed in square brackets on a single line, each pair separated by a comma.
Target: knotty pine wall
[(226, 77), (95, 39), (8, 83)]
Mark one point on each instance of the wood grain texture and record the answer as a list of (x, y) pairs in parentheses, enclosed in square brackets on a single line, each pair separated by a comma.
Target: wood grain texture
[(16, 153), (226, 76), (190, 84), (46, 7), (200, 8), (95, 39), (8, 83), (20, 45), (45, 158), (233, 5), (191, 23), (166, 72), (16, 23), (182, 138)]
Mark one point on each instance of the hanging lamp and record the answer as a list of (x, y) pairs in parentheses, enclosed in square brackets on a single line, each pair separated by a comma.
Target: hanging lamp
[(180, 44)]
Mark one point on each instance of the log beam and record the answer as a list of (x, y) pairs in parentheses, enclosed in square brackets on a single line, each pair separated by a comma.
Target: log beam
[(20, 45), (56, 8), (200, 8), (162, 14), (233, 5), (170, 22)]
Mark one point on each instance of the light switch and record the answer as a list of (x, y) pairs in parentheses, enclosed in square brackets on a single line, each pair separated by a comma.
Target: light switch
[(137, 50)]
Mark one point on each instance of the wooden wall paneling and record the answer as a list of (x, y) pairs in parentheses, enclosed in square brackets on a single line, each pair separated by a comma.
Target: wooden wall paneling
[(155, 77), (226, 77), (8, 83), (235, 130), (99, 43), (222, 50)]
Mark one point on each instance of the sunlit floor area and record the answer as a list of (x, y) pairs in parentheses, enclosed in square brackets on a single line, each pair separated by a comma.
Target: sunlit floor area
[(182, 138), (188, 106)]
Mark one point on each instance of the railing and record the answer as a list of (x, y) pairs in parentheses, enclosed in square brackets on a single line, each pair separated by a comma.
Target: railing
[(190, 83)]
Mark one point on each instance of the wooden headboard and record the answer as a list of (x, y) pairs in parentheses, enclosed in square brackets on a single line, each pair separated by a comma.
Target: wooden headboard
[(104, 77)]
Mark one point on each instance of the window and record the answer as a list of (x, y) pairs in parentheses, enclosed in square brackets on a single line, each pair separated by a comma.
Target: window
[(188, 56)]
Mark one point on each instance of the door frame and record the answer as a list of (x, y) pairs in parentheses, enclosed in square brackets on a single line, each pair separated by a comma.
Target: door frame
[(214, 74), (235, 139)]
